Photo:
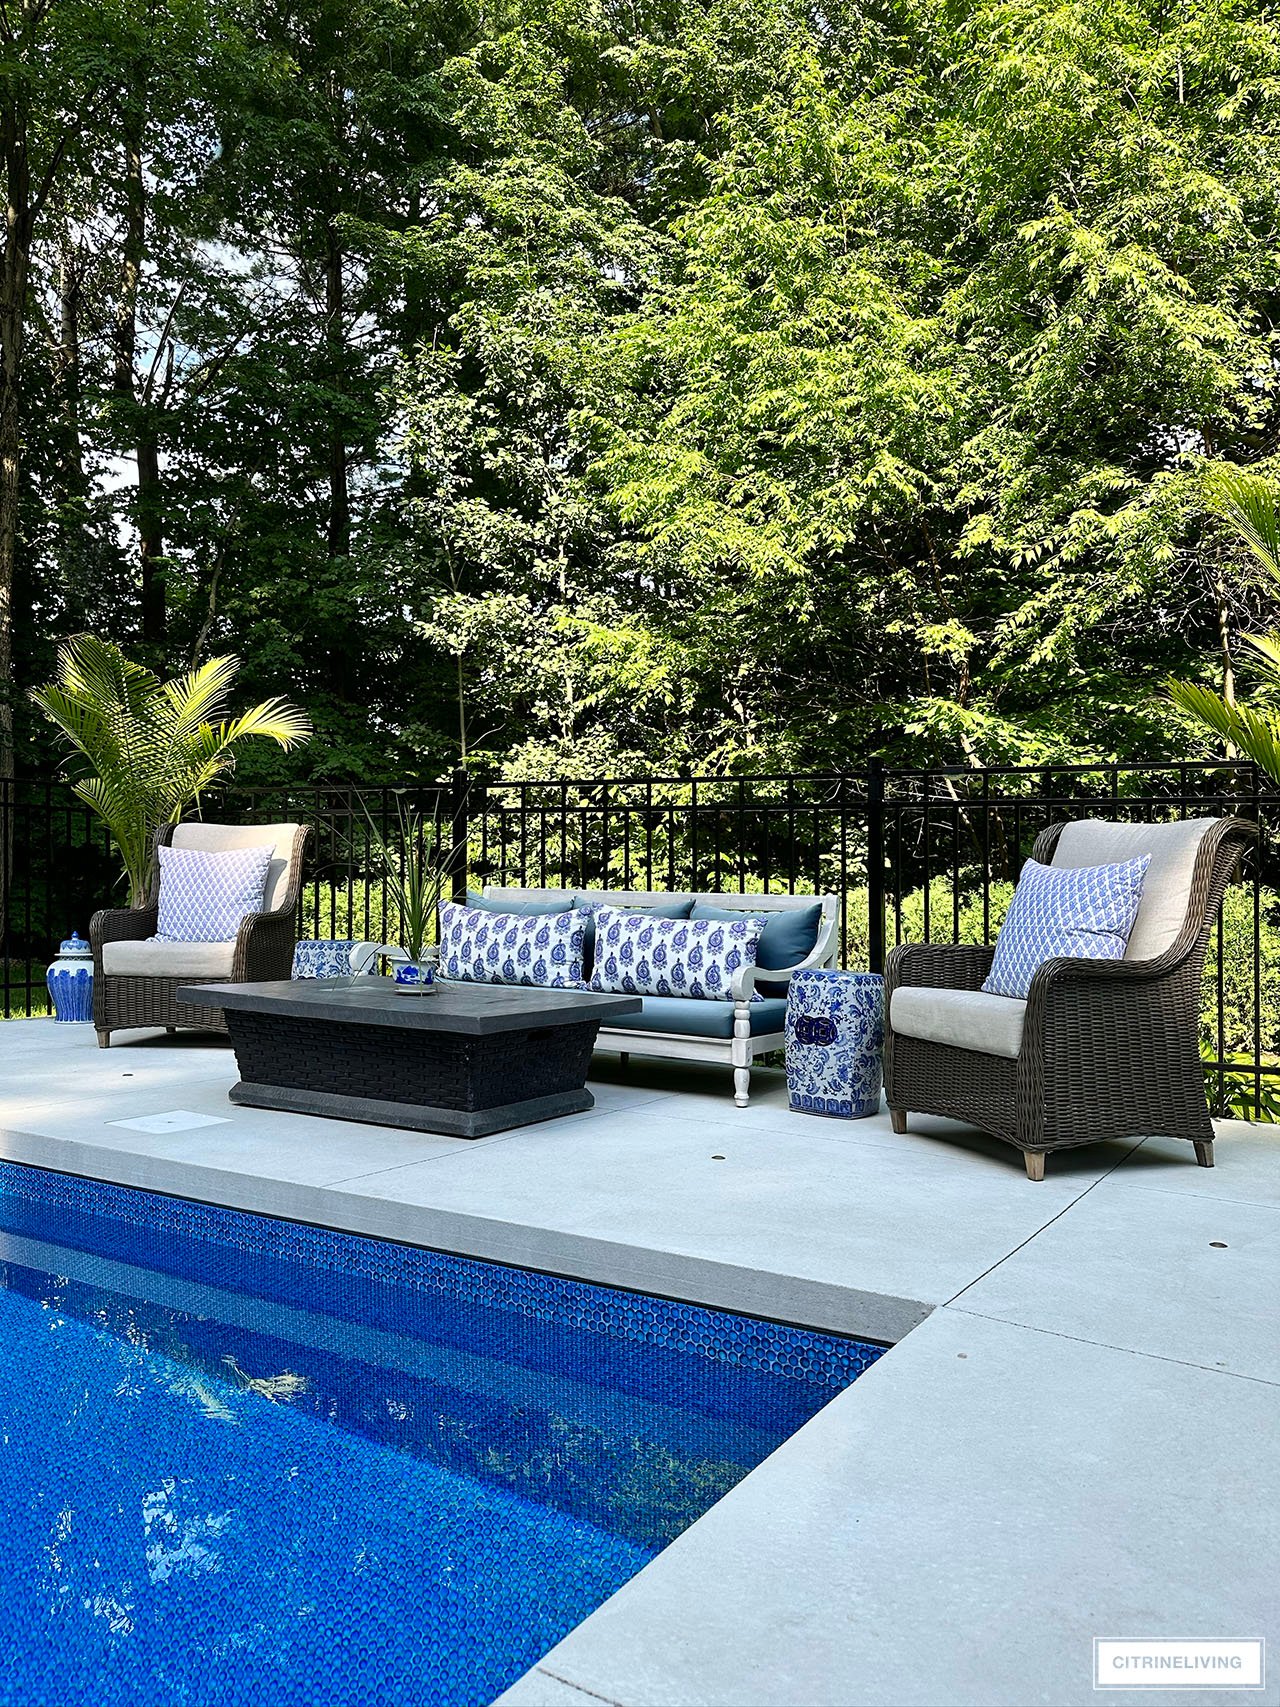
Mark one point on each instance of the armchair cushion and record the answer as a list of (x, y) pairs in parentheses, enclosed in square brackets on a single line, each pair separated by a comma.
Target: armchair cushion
[(1082, 913), (223, 838), (1166, 892), (151, 958), (965, 1019), (204, 896)]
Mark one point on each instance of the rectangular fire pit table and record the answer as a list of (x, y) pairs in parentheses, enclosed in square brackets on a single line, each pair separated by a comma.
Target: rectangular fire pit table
[(468, 1060)]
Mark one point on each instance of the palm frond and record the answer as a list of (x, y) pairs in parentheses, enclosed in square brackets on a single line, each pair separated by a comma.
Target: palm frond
[(1266, 656), (1249, 504), (275, 720), (1256, 733), (201, 695)]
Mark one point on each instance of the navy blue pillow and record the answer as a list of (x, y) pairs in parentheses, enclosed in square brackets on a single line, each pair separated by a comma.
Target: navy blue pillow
[(788, 937)]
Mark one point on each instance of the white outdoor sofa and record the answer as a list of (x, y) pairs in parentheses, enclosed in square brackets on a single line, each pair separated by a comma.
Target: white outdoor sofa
[(682, 1028)]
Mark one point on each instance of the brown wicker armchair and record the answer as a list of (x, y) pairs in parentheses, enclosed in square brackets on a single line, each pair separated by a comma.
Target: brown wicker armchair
[(135, 981), (1100, 1048)]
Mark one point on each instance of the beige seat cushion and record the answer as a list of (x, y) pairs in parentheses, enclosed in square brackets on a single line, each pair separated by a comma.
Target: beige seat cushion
[(210, 961), (1166, 889), (223, 838), (966, 1019)]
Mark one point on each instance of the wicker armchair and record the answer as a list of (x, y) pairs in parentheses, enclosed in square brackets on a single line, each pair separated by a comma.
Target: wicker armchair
[(1100, 1048), (135, 981)]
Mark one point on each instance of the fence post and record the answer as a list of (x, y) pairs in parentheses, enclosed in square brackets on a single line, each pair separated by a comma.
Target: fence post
[(460, 829), (875, 863)]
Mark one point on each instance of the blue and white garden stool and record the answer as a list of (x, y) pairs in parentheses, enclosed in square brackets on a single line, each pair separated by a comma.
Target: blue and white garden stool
[(835, 1042), (70, 981)]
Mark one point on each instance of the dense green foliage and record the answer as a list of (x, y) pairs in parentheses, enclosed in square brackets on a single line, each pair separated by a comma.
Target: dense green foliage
[(727, 382)]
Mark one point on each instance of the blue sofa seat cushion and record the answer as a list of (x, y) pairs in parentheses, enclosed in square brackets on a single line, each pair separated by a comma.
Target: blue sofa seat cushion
[(690, 1016), (788, 937)]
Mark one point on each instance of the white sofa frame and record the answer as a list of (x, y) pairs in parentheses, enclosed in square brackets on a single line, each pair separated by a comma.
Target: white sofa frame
[(740, 1050)]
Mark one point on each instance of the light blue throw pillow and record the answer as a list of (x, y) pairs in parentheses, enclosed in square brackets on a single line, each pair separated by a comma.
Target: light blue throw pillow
[(639, 955), (479, 947), (1083, 912), (205, 896), (537, 909)]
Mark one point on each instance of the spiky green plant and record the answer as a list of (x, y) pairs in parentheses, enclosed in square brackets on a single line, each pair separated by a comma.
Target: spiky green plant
[(153, 748), (414, 872), (1250, 506)]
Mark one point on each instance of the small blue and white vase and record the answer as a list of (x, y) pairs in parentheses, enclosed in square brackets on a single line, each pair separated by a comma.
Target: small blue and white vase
[(70, 981), (835, 1042), (418, 976)]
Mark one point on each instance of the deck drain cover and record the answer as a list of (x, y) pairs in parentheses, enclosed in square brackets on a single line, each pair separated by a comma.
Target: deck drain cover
[(176, 1120)]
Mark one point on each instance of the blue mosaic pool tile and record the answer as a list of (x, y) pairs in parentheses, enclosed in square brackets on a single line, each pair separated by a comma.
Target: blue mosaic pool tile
[(771, 1347)]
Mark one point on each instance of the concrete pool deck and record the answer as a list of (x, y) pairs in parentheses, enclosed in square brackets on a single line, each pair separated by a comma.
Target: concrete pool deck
[(1076, 1436)]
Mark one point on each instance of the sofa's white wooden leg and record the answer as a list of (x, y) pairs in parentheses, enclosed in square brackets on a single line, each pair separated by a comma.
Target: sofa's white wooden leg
[(741, 1054)]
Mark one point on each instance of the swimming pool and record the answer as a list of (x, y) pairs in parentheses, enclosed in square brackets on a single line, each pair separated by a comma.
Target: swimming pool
[(248, 1461)]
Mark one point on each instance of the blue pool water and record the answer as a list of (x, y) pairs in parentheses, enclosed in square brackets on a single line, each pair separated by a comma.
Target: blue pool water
[(247, 1461)]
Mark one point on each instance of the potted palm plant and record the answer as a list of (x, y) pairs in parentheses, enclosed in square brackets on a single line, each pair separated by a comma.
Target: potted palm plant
[(151, 748), (1250, 506), (414, 870)]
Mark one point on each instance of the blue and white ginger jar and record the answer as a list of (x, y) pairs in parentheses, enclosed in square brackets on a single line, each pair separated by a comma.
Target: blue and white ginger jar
[(70, 981), (835, 1042)]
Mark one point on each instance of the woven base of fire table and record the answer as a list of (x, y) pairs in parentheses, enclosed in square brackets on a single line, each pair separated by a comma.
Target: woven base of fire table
[(466, 1061), (430, 1081)]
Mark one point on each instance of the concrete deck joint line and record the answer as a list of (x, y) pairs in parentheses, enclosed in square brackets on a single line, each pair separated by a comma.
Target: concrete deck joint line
[(1128, 1351), (1066, 1208), (546, 1671)]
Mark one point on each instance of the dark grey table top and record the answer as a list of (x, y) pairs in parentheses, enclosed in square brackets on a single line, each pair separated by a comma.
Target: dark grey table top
[(476, 1010)]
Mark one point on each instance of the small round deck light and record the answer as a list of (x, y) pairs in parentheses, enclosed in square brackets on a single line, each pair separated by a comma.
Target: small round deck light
[(1217, 1245), (717, 1158)]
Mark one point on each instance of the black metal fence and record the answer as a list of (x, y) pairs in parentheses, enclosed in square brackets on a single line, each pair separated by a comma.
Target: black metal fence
[(912, 854)]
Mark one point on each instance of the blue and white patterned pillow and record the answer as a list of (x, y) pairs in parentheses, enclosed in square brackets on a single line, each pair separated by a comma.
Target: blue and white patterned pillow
[(479, 947), (320, 958), (638, 955), (1084, 912), (204, 896)]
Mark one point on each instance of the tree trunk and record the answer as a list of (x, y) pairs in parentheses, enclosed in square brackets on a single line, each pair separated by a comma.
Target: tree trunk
[(13, 295), (150, 532), (335, 307), (69, 376), (138, 406)]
